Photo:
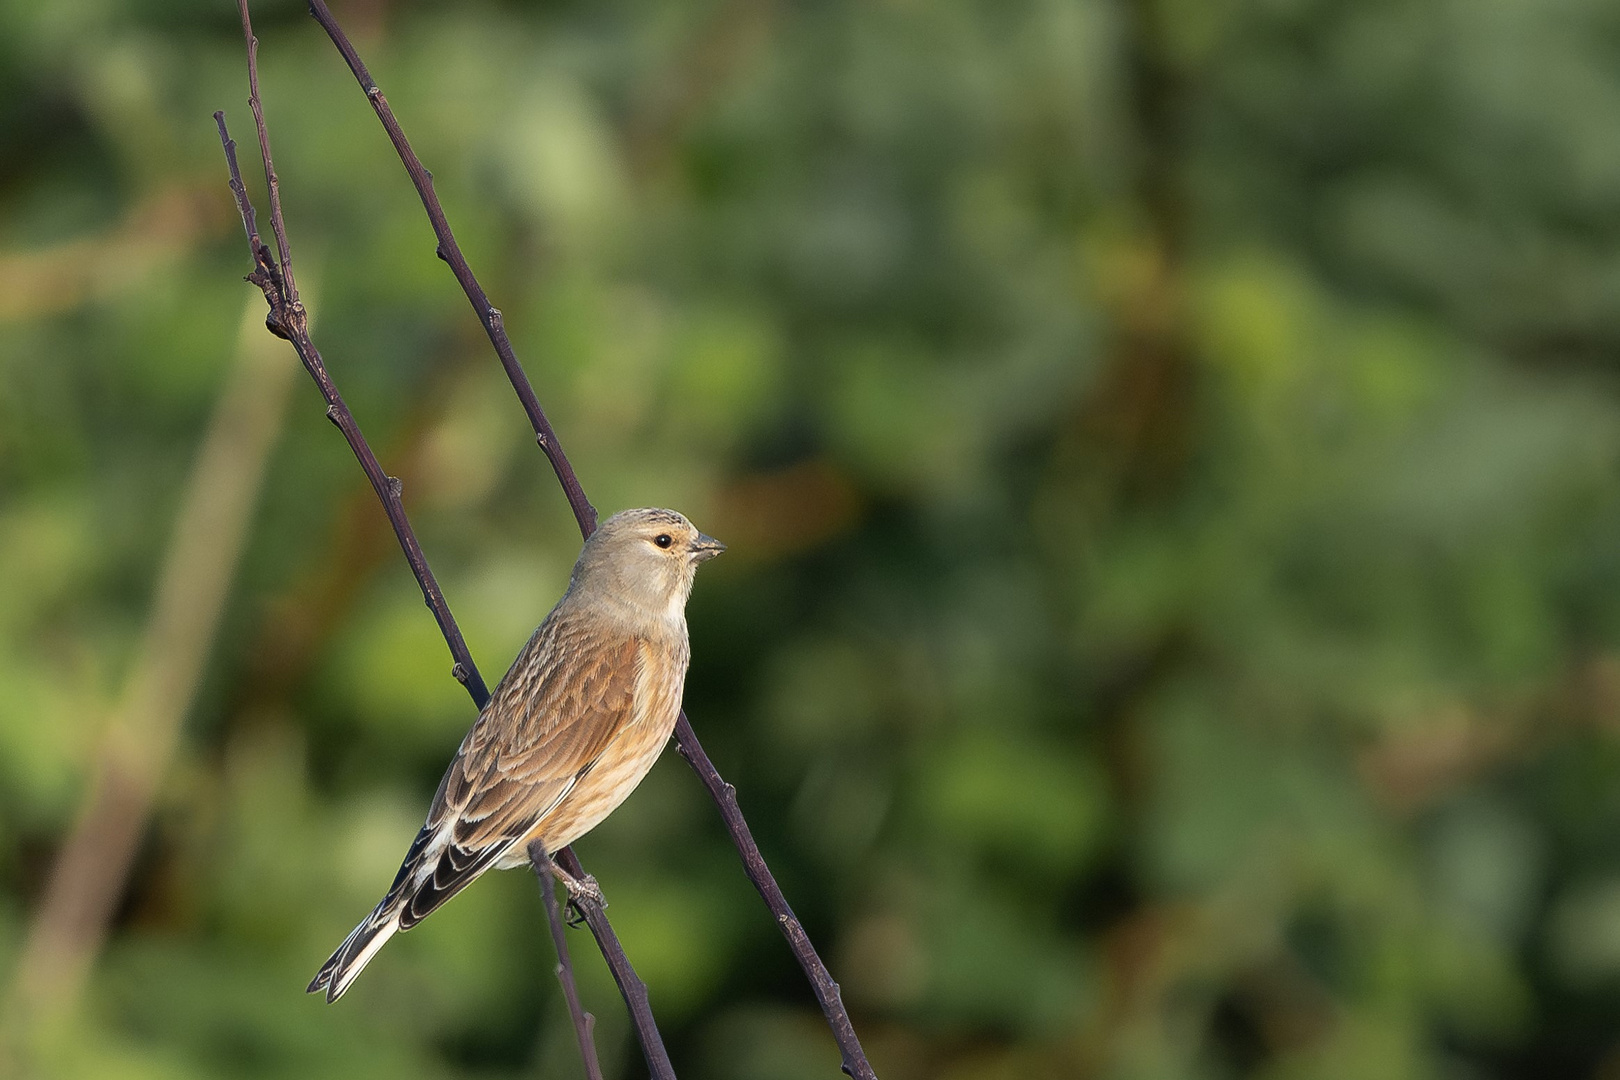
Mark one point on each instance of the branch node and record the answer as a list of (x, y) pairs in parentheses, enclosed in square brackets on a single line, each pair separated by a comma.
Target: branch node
[(332, 415), (458, 671), (584, 1022), (395, 486)]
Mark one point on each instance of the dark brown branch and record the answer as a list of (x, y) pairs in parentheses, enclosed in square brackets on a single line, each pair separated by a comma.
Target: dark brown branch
[(288, 319), (271, 180), (826, 990), (583, 1021), (821, 980), (450, 252), (294, 324), (630, 984)]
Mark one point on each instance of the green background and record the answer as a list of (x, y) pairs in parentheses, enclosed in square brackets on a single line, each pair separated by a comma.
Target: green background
[(1170, 453)]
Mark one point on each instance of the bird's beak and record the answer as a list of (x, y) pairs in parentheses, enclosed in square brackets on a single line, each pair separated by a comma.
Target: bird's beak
[(706, 547)]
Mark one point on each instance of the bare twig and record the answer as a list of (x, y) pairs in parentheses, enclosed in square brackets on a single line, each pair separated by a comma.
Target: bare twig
[(583, 1021), (271, 180), (450, 252), (293, 324), (821, 980), (826, 990), (288, 319), (630, 984)]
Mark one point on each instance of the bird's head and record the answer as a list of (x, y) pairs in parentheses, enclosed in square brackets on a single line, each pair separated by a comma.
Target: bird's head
[(644, 561)]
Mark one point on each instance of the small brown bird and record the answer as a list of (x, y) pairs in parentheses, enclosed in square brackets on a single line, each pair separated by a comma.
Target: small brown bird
[(575, 724)]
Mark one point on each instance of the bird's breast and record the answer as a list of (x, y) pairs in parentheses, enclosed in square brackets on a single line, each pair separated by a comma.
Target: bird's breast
[(630, 756), (660, 680)]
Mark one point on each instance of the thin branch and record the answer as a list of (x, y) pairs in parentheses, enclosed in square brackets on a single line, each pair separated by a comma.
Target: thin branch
[(630, 984), (294, 326), (826, 990), (271, 180), (292, 322), (288, 319), (450, 252), (583, 1021)]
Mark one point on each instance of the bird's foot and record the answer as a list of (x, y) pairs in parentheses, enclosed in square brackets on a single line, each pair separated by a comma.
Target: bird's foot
[(586, 891), (582, 890)]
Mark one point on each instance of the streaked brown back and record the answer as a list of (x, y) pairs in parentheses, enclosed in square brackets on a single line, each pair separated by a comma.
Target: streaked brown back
[(565, 699)]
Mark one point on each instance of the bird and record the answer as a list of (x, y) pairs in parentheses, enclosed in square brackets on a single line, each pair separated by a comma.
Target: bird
[(571, 729)]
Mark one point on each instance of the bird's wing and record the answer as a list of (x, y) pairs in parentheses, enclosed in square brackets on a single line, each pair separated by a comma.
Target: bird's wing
[(566, 698)]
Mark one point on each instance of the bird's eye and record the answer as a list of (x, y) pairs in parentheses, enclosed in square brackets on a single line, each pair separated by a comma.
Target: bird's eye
[(663, 540)]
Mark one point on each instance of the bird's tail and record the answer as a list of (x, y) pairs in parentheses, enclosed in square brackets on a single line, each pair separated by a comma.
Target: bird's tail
[(357, 950), (351, 957), (434, 870)]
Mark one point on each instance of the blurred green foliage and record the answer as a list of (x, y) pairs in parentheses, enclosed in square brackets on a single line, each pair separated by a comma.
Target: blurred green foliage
[(1169, 455)]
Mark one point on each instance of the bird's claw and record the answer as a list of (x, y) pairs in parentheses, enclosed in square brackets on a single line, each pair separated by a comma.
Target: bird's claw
[(579, 892), (588, 891), (584, 890)]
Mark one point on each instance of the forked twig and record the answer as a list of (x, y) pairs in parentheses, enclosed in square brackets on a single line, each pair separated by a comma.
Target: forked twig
[(583, 1021), (288, 319), (724, 795), (630, 984), (283, 323)]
